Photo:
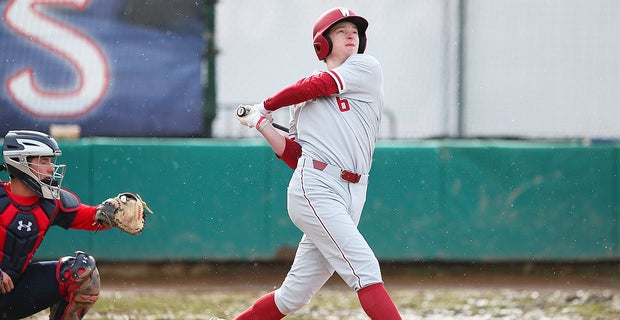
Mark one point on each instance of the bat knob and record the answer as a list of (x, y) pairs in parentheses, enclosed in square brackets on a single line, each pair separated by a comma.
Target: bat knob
[(241, 111)]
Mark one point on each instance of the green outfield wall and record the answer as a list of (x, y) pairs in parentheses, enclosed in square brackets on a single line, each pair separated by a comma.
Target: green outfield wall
[(441, 200)]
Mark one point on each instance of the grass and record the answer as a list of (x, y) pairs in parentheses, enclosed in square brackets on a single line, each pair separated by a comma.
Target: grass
[(422, 292), (336, 304)]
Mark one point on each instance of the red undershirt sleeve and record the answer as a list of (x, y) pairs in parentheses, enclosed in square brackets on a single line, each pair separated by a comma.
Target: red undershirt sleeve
[(318, 85), (292, 152)]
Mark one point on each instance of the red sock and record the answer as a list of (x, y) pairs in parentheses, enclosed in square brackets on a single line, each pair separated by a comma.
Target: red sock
[(377, 303), (263, 309)]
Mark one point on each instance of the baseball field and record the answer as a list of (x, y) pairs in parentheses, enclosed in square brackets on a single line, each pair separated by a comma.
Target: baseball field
[(421, 291)]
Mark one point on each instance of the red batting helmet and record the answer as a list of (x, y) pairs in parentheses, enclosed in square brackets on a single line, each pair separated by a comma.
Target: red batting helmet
[(322, 44)]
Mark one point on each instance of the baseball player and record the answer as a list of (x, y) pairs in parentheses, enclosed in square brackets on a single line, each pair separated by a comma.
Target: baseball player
[(30, 203), (335, 117)]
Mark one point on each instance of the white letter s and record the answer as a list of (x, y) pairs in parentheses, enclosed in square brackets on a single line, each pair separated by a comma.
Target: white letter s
[(81, 52)]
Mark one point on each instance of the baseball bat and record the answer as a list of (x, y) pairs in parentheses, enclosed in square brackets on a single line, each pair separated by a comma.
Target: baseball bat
[(243, 111)]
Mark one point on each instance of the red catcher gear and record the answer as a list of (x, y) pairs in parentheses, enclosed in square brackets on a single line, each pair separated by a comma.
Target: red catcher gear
[(78, 280), (322, 44)]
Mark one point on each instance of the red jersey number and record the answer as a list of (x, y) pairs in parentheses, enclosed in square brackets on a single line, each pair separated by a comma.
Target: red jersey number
[(343, 104)]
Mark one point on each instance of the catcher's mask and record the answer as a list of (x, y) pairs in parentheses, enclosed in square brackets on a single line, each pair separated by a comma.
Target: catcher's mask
[(20, 147), (322, 43)]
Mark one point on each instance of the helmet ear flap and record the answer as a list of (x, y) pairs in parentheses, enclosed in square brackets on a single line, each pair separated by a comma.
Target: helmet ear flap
[(322, 46), (362, 45)]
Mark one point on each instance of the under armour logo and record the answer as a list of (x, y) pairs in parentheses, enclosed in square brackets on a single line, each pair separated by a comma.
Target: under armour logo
[(22, 225)]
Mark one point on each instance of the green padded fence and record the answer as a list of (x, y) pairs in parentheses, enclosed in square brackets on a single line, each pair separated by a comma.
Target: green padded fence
[(461, 200)]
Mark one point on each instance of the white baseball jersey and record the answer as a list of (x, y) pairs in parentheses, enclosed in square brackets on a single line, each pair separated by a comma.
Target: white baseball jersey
[(342, 129), (335, 132)]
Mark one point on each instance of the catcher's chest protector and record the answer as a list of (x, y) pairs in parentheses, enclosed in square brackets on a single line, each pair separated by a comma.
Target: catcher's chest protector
[(22, 232)]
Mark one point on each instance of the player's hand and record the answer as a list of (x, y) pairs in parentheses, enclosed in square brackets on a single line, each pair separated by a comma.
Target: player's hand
[(261, 108), (250, 116), (6, 283), (266, 113)]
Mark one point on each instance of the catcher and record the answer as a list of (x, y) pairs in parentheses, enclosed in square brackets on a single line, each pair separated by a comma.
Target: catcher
[(30, 203)]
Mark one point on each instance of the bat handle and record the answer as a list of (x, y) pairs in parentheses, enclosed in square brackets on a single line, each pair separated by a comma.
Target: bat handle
[(242, 111), (280, 127)]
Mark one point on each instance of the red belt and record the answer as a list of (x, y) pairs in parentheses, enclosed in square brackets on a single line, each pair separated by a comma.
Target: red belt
[(343, 174)]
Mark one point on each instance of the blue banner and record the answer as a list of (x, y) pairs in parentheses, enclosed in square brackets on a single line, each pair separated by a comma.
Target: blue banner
[(113, 67)]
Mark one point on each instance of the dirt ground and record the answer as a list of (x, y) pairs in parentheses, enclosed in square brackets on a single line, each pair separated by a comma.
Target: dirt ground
[(438, 291), (584, 275)]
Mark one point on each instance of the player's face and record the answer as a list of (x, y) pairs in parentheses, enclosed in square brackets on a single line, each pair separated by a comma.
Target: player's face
[(345, 39), (43, 167)]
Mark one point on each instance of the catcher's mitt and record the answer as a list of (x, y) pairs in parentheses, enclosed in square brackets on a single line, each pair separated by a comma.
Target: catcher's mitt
[(125, 211)]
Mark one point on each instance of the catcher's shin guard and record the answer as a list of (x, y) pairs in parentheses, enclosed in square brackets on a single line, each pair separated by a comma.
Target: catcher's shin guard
[(78, 278)]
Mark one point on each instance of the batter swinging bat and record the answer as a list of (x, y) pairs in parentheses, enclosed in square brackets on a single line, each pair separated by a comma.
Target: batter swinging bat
[(242, 111)]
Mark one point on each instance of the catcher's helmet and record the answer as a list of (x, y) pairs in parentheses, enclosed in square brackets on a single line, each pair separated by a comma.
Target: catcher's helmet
[(322, 43), (20, 147)]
